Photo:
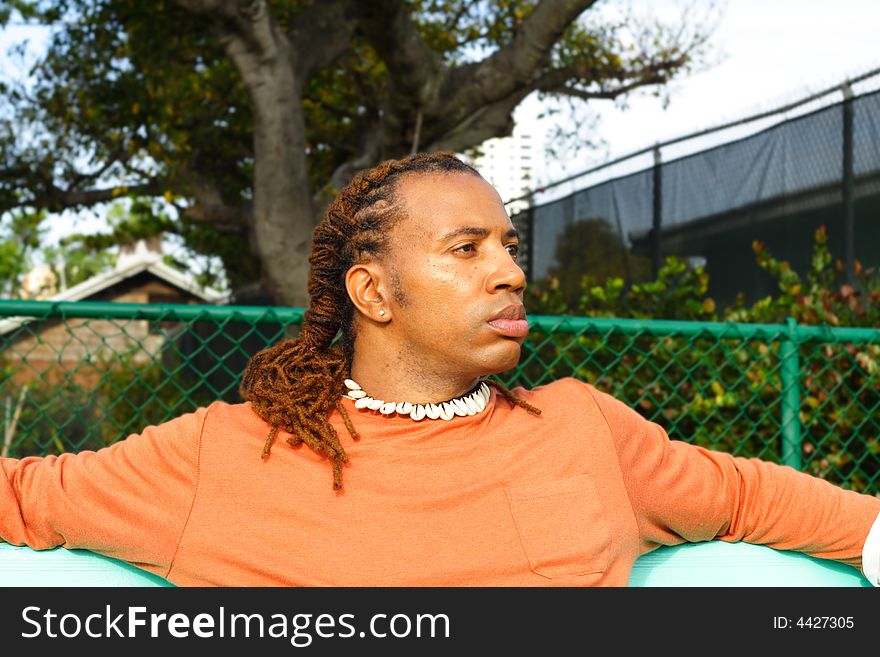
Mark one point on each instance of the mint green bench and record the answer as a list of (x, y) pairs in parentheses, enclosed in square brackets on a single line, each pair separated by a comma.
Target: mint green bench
[(717, 563), (21, 566), (693, 564)]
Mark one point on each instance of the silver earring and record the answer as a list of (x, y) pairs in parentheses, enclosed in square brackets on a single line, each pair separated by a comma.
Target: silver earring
[(381, 313)]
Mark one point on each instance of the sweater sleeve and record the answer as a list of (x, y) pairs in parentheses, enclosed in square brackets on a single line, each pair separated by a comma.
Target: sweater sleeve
[(685, 493), (129, 501)]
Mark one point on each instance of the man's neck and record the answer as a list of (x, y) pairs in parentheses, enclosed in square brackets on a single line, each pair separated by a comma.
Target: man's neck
[(393, 380)]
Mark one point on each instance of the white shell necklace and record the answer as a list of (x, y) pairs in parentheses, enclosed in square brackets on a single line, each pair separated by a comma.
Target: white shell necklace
[(470, 403)]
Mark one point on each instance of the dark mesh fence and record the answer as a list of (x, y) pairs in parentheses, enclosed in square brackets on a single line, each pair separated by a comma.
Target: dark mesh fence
[(777, 185)]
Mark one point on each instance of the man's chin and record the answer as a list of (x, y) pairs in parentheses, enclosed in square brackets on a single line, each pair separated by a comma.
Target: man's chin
[(502, 363)]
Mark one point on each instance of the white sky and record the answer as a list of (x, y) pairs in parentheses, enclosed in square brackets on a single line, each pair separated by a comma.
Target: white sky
[(772, 52)]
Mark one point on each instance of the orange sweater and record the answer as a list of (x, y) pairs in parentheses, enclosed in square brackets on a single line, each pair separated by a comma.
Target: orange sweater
[(571, 497)]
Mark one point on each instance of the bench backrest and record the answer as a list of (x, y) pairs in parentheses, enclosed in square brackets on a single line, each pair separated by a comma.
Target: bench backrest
[(693, 564)]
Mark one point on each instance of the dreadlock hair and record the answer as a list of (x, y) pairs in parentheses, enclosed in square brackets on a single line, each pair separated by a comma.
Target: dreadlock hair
[(295, 384)]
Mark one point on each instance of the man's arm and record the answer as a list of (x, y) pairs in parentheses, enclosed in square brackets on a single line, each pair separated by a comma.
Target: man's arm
[(682, 492), (129, 501)]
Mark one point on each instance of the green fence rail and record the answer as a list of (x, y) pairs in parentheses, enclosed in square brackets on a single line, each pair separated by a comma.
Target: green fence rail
[(82, 375)]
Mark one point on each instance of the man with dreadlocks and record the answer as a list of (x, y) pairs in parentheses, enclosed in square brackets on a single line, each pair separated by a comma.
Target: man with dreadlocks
[(399, 463)]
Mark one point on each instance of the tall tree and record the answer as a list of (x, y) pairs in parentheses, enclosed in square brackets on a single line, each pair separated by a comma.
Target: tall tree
[(249, 114)]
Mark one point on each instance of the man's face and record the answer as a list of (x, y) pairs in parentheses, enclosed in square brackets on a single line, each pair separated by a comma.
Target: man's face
[(456, 290)]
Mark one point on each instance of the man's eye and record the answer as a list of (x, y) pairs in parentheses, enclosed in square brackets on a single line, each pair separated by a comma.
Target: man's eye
[(465, 248), (513, 250)]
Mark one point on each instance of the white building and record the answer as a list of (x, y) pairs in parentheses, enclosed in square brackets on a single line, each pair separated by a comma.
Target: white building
[(509, 164)]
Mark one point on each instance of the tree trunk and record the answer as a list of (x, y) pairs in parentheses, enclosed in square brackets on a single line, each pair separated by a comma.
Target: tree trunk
[(284, 216), (283, 213)]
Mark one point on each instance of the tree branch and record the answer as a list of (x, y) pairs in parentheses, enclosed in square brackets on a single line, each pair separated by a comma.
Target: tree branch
[(476, 92), (370, 148), (210, 208), (518, 64), (493, 120), (249, 20), (561, 80), (56, 198), (454, 19), (221, 8), (319, 34), (81, 178), (415, 71)]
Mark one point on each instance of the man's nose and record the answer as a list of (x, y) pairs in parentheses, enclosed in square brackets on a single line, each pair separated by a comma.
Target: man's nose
[(506, 274)]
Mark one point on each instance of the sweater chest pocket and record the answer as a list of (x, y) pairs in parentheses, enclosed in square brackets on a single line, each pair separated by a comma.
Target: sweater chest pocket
[(563, 527)]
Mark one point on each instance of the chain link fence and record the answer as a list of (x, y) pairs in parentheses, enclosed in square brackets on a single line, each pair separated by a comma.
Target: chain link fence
[(82, 375), (707, 196)]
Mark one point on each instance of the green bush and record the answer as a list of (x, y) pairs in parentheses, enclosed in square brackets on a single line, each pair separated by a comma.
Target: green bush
[(70, 415)]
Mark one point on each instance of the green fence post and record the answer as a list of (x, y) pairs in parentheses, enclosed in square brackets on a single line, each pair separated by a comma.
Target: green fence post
[(791, 397)]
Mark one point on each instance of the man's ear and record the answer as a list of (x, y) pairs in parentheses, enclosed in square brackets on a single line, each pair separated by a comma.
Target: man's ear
[(364, 284)]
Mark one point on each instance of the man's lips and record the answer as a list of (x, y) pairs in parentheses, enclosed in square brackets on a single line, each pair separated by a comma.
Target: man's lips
[(510, 321)]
